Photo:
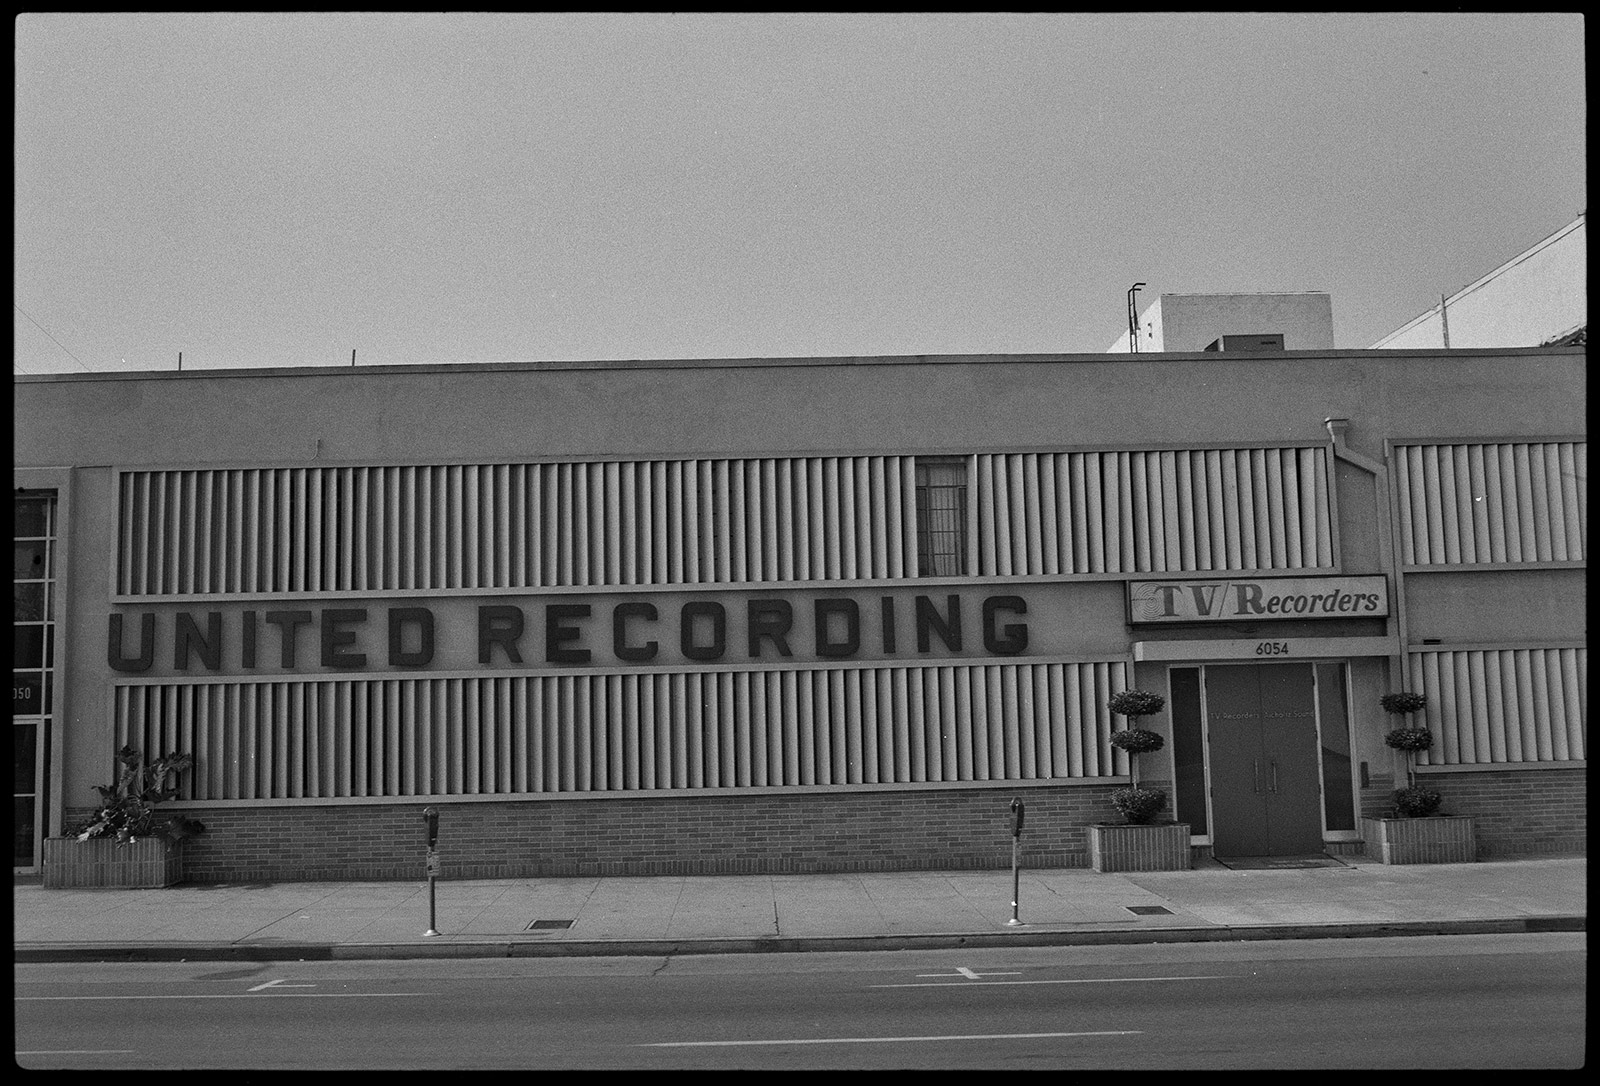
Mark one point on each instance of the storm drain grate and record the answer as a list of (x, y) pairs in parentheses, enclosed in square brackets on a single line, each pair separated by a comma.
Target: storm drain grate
[(1148, 910), (548, 925)]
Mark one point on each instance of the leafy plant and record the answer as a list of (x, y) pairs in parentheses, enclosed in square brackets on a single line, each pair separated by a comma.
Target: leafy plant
[(1139, 805), (1416, 801), (128, 807), (1403, 702)]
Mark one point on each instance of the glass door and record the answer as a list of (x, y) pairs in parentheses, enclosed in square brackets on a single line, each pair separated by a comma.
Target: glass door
[(1262, 755)]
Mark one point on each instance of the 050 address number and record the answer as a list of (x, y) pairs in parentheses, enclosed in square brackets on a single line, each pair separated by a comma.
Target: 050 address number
[(1273, 648)]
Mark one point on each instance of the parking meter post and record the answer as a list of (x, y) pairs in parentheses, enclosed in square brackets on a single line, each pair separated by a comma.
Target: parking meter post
[(1017, 811), (430, 817), (433, 926)]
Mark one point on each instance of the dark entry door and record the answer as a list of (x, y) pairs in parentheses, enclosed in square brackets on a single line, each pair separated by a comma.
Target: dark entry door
[(1266, 796)]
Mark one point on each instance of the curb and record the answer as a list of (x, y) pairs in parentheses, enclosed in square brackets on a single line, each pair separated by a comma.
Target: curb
[(37, 953)]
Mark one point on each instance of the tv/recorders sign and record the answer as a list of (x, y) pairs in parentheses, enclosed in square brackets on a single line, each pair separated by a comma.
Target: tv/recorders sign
[(1257, 599)]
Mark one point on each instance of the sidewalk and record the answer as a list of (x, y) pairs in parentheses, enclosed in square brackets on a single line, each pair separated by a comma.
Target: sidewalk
[(755, 913)]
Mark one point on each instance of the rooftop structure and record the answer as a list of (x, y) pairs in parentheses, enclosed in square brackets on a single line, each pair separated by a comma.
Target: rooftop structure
[(1195, 322)]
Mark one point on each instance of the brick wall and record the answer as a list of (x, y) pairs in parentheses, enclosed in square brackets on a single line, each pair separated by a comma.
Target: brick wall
[(1519, 812), (650, 835), (1377, 799)]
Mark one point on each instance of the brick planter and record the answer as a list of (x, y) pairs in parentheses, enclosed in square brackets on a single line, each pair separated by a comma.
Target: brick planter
[(103, 861), (1124, 847), (1442, 839)]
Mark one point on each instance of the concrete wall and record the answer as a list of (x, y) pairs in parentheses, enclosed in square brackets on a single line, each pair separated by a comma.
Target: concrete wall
[(1528, 605), (857, 406)]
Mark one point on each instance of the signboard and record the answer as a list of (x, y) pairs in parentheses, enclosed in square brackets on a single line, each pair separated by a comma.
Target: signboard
[(230, 637), (1257, 599)]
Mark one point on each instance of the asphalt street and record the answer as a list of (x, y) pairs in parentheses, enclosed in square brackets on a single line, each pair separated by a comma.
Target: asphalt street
[(1432, 1002)]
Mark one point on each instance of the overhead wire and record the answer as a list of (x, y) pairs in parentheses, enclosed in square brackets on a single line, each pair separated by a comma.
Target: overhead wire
[(53, 339)]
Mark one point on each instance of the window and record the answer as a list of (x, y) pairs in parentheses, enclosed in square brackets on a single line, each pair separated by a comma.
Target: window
[(1338, 780), (941, 516), (1188, 749), (32, 638)]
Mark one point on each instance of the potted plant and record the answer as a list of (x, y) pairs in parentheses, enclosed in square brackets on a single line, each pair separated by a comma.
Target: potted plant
[(126, 842), (1140, 842), (1416, 834)]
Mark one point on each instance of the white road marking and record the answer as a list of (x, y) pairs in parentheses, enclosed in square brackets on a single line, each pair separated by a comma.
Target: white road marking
[(234, 995), (963, 971), (78, 1052), (281, 983), (892, 1040), (1085, 980)]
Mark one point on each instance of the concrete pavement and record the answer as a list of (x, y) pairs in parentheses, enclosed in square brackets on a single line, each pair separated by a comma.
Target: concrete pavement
[(752, 913)]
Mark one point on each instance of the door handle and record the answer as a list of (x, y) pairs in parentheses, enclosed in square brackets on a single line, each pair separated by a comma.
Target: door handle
[(1274, 778), (1255, 770)]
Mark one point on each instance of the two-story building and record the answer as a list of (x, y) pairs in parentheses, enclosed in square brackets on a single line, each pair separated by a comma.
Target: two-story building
[(800, 614)]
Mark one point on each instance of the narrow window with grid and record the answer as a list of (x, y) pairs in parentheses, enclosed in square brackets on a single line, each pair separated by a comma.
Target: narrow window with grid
[(941, 516), (32, 663)]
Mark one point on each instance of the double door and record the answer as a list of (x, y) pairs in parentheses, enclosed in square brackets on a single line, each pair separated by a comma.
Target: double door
[(1266, 788)]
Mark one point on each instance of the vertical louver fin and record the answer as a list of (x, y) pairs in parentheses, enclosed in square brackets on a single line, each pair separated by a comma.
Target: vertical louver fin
[(332, 739), (1154, 512), (1504, 705), (1503, 503), (470, 527)]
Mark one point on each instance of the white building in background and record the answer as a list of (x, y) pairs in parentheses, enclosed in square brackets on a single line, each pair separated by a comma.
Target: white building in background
[(1199, 322), (1536, 298)]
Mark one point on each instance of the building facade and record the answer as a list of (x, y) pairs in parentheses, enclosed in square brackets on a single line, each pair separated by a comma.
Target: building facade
[(799, 614), (1538, 297)]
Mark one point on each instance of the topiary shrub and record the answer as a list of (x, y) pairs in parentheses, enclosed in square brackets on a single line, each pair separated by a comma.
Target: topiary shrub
[(1138, 740), (1403, 702), (1135, 703), (1139, 805), (1416, 801), (1409, 739)]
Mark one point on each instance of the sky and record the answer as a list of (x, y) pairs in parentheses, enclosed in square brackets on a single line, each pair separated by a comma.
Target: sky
[(280, 189)]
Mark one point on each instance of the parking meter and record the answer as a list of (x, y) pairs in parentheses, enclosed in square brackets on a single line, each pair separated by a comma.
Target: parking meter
[(1017, 811), (430, 818)]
